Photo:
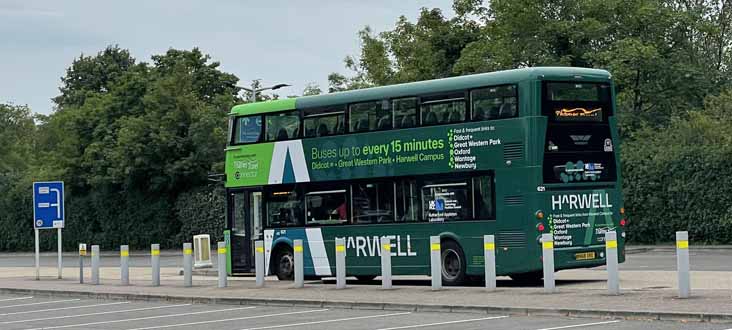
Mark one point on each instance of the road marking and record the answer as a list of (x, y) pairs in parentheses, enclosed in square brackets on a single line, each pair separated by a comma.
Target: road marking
[(64, 308), (18, 298), (145, 318), (40, 303), (444, 323), (327, 321), (226, 320), (581, 325), (91, 314)]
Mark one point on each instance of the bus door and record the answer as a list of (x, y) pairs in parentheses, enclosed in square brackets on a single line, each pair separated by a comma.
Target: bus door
[(245, 222)]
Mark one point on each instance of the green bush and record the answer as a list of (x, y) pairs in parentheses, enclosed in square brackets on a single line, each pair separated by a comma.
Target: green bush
[(201, 211), (678, 178)]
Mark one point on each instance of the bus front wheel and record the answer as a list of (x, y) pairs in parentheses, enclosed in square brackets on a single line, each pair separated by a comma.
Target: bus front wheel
[(453, 264), (284, 264)]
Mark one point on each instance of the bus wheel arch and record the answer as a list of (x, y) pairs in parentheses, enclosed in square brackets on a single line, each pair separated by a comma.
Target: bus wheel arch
[(453, 262), (282, 262)]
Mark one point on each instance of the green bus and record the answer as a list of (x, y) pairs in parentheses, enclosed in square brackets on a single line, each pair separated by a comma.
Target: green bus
[(514, 154)]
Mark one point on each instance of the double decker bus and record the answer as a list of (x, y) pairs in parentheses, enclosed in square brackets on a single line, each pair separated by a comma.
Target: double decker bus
[(514, 154)]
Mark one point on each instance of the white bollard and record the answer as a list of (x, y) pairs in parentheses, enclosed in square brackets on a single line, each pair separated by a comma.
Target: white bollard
[(82, 254), (299, 266), (385, 263), (489, 256), (682, 263), (340, 248), (259, 263), (187, 265), (435, 262), (155, 262), (221, 260), (547, 247), (124, 264), (95, 265), (611, 259)]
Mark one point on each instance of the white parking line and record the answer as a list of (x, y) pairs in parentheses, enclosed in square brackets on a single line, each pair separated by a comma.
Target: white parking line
[(41, 303), (580, 325), (444, 323), (326, 321), (64, 308), (143, 318), (18, 298), (227, 320), (93, 314)]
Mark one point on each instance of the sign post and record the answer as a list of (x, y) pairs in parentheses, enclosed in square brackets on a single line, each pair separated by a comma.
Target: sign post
[(48, 213)]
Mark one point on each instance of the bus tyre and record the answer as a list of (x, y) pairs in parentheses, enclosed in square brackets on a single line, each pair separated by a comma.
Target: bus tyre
[(284, 264), (531, 278), (453, 264)]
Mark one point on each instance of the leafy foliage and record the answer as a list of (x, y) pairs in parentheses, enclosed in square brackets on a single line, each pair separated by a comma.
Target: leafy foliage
[(128, 139)]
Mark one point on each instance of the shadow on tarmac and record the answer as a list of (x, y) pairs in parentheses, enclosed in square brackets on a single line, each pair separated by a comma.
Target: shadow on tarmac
[(507, 283)]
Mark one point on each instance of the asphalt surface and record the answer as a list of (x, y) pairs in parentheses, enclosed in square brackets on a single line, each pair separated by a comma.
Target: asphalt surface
[(72, 260), (27, 312), (665, 259)]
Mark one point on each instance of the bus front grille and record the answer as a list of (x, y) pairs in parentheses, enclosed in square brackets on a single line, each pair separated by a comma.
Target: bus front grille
[(511, 239)]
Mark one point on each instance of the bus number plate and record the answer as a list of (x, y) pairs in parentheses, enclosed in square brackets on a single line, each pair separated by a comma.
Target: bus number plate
[(584, 256)]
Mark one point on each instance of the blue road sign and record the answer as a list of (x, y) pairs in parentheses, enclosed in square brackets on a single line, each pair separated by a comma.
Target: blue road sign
[(48, 205)]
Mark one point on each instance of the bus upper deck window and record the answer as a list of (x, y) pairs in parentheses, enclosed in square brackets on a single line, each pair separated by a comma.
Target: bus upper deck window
[(282, 126), (324, 121), (405, 112), (494, 102), (248, 129), (443, 109), (369, 116)]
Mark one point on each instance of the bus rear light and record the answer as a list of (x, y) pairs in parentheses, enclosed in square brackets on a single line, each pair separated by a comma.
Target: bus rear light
[(623, 222), (540, 227), (540, 214)]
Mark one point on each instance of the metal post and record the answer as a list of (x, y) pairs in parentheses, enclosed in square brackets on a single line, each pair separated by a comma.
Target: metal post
[(547, 247), (340, 249), (38, 257), (60, 251), (155, 262), (259, 263), (682, 263), (385, 263), (299, 267), (95, 265), (435, 264), (82, 254), (222, 264), (187, 264), (124, 264), (489, 257), (611, 259)]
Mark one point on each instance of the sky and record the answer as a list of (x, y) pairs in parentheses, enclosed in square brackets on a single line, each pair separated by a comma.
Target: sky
[(294, 42)]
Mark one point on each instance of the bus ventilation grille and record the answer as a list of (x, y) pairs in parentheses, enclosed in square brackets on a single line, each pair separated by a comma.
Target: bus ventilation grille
[(513, 200), (513, 151), (511, 239)]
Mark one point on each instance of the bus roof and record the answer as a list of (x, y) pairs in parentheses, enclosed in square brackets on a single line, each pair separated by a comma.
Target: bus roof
[(422, 87)]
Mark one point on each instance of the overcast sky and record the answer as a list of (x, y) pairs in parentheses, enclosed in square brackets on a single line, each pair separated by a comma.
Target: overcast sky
[(279, 41)]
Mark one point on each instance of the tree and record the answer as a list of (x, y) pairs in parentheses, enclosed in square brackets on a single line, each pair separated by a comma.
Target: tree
[(89, 75)]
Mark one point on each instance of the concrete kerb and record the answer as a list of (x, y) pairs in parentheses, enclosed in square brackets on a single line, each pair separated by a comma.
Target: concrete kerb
[(519, 311)]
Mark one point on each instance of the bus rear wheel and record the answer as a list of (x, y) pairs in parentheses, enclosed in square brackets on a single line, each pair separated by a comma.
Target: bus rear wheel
[(284, 264), (453, 264)]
